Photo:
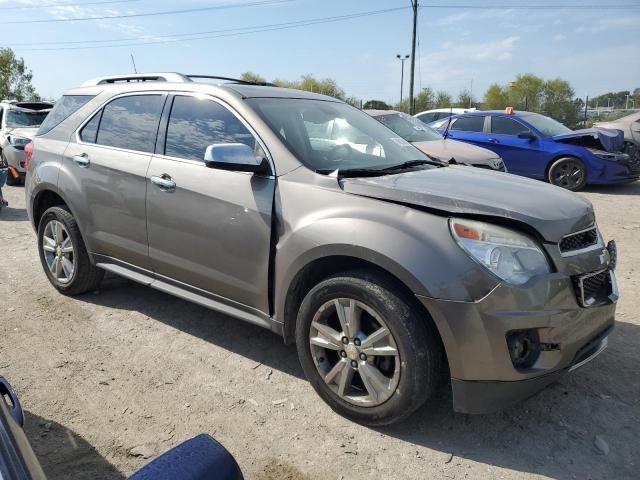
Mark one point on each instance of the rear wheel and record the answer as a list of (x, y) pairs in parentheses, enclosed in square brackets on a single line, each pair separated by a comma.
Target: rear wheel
[(63, 254), (366, 349), (568, 173)]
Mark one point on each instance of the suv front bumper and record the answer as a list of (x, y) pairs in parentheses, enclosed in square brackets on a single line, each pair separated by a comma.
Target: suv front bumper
[(484, 377)]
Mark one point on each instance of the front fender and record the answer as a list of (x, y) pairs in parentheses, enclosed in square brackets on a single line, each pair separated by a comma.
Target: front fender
[(415, 247)]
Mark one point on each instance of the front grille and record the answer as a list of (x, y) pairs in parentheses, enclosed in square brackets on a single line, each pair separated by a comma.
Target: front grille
[(579, 241), (593, 288)]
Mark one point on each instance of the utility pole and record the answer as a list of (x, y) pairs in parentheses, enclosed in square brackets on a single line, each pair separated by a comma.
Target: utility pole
[(414, 3), (402, 60), (586, 105)]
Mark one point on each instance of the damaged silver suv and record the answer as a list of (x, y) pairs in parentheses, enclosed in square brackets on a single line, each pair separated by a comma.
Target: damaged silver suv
[(301, 214)]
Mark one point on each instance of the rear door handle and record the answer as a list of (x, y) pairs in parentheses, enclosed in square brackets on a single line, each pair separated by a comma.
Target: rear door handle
[(164, 182), (82, 160), (493, 140)]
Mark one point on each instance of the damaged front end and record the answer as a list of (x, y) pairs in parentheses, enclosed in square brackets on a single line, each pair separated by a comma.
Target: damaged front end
[(603, 139)]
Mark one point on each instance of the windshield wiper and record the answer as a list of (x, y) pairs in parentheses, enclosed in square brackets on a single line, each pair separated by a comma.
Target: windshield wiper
[(415, 163), (354, 172)]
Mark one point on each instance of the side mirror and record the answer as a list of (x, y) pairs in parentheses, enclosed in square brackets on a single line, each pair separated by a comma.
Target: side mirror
[(527, 135), (235, 156)]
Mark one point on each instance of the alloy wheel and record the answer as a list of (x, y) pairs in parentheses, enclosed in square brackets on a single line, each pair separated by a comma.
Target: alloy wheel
[(568, 175), (58, 251), (355, 352)]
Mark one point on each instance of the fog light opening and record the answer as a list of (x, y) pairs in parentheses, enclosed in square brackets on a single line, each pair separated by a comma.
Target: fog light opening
[(524, 348)]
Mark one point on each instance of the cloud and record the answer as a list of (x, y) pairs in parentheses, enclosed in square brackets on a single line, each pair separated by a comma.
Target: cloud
[(558, 37), (604, 24), (493, 50), (452, 65)]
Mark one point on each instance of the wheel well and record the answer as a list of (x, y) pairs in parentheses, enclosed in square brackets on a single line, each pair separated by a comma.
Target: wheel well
[(320, 269), (42, 202)]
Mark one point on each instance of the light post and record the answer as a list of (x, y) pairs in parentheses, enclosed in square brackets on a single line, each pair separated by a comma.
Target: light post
[(402, 60)]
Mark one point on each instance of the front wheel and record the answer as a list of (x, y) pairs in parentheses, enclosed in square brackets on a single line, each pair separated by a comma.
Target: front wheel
[(568, 173), (366, 349)]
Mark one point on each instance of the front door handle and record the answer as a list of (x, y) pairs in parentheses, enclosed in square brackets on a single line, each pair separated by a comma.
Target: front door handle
[(82, 160), (164, 181)]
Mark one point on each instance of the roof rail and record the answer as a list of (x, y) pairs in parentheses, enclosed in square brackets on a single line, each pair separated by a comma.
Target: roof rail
[(6, 100), (229, 79), (138, 77)]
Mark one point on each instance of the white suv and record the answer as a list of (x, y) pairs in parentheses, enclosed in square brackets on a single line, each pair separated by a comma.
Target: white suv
[(19, 122)]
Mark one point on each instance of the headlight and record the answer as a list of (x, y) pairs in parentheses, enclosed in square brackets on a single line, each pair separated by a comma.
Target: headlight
[(611, 156), (512, 256), (19, 142)]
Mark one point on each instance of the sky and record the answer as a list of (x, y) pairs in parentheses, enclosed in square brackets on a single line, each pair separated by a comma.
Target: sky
[(596, 50)]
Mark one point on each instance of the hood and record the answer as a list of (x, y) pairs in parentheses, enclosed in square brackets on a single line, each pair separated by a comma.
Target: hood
[(25, 132), (552, 211), (462, 152), (601, 138)]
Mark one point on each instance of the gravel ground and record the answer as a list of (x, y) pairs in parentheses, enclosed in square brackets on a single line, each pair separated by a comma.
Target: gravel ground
[(110, 378)]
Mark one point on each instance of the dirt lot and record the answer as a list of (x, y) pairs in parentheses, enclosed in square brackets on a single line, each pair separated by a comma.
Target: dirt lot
[(129, 368)]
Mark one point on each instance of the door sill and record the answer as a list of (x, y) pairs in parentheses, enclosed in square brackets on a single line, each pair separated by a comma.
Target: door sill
[(184, 291)]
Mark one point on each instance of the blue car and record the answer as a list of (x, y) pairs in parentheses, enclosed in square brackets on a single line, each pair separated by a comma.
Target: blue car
[(536, 146)]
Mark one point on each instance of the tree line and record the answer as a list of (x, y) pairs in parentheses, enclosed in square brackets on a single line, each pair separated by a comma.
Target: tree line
[(555, 97)]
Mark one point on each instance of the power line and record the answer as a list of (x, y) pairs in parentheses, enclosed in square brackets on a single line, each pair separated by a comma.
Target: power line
[(153, 14), (223, 33), (46, 5), (531, 7)]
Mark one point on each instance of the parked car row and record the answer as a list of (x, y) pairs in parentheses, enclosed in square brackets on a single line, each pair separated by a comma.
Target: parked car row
[(296, 212), (536, 146), (434, 144)]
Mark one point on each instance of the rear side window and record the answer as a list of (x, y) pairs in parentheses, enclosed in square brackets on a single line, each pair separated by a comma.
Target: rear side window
[(506, 126), (130, 122), (196, 123), (89, 132), (62, 110), (469, 124)]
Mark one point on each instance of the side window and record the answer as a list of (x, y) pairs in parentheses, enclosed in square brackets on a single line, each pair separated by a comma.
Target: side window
[(506, 126), (89, 132), (441, 115), (473, 123), (131, 122), (196, 123)]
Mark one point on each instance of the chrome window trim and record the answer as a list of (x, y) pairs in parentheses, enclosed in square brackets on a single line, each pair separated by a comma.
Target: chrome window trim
[(207, 96), (596, 246)]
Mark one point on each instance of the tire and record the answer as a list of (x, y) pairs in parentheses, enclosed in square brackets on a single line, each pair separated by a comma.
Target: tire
[(410, 375), (568, 173), (66, 243)]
